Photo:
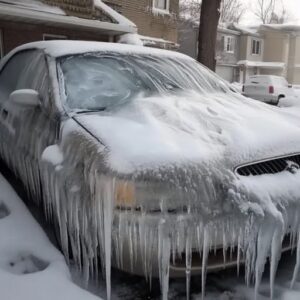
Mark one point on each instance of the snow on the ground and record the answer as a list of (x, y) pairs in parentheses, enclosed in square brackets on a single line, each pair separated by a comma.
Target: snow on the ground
[(31, 268), (237, 86)]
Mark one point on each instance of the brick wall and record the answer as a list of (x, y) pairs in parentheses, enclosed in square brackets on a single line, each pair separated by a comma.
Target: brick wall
[(81, 8), (149, 23), (15, 34)]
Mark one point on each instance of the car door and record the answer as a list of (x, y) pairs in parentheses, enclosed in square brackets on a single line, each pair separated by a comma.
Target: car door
[(25, 130), (251, 87)]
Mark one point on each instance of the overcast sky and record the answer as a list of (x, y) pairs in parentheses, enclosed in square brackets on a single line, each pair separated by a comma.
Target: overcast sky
[(292, 6)]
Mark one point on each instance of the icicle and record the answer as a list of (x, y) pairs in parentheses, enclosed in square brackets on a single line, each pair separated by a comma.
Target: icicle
[(164, 250), (263, 246), (239, 253), (108, 203), (297, 266), (275, 256), (188, 264), (204, 259)]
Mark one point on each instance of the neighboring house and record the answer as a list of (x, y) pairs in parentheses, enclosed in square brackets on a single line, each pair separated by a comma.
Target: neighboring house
[(156, 20), (271, 49), (282, 44), (227, 47), (27, 21), (227, 53), (244, 51), (252, 58)]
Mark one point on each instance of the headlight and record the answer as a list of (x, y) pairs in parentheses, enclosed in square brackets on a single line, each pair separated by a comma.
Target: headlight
[(146, 196), (125, 194)]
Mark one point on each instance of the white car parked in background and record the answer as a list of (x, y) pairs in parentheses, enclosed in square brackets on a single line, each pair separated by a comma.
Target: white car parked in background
[(267, 88)]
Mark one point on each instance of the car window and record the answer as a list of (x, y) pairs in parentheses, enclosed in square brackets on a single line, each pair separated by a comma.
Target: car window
[(259, 80), (95, 81), (25, 70)]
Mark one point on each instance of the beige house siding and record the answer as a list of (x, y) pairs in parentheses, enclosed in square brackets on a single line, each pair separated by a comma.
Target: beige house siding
[(295, 63), (148, 22), (246, 48), (243, 47), (276, 46), (283, 47), (290, 73)]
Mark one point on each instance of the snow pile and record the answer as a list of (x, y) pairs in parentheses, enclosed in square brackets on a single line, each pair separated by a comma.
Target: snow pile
[(250, 63), (131, 39), (289, 102), (52, 154), (30, 266), (237, 86), (115, 15)]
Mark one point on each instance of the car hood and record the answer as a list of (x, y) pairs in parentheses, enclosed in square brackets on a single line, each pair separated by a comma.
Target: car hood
[(220, 129)]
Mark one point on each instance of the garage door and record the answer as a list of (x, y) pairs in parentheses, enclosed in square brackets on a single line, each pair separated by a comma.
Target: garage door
[(225, 72)]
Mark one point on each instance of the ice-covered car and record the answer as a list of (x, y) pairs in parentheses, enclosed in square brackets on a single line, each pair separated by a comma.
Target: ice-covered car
[(267, 88), (146, 157)]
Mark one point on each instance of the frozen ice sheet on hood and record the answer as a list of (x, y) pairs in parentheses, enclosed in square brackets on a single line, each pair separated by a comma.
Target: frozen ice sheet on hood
[(192, 128)]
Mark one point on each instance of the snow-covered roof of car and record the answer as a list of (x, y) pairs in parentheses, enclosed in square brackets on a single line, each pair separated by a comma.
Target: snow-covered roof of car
[(68, 47)]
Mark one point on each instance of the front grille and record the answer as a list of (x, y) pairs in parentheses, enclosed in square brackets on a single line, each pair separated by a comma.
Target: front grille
[(275, 165)]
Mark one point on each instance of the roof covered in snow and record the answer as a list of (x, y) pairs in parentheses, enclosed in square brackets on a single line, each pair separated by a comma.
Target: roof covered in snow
[(68, 47), (37, 11), (246, 30), (261, 64), (281, 27)]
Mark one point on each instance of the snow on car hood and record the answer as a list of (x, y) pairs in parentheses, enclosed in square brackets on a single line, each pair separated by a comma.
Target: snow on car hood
[(192, 128)]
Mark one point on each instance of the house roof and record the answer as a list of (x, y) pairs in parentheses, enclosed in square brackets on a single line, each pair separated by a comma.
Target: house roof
[(261, 64), (253, 31), (222, 27), (37, 12), (287, 27)]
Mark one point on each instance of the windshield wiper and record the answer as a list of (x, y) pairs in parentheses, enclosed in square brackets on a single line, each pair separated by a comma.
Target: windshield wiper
[(88, 110)]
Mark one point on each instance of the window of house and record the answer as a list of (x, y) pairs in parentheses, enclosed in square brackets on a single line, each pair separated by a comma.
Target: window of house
[(229, 44), (49, 37), (1, 45), (161, 4), (256, 47)]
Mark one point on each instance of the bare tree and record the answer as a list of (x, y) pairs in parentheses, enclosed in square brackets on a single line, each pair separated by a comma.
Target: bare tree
[(190, 9), (271, 11), (264, 10), (209, 19), (231, 11)]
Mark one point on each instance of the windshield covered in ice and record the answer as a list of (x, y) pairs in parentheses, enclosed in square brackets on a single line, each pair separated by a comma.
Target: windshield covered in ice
[(97, 81)]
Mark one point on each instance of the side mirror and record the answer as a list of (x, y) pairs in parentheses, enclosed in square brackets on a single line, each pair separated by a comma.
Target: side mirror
[(29, 98), (290, 86)]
